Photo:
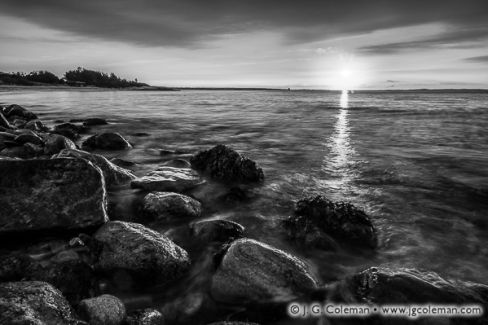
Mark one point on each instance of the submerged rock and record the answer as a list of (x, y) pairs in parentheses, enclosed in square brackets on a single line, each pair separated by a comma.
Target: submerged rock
[(146, 316), (93, 121), (168, 179), (169, 205), (34, 302), (102, 310), (216, 230), (140, 251), (227, 165), (383, 285), (106, 141), (114, 175), (251, 271), (318, 221), (50, 194)]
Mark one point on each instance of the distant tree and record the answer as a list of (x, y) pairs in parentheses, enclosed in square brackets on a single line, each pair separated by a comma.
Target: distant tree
[(99, 79), (43, 76)]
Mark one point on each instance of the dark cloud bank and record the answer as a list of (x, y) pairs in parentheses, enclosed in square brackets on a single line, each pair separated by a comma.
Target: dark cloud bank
[(192, 22)]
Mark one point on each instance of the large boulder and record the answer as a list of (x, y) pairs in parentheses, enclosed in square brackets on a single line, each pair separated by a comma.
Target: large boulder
[(320, 222), (114, 175), (251, 271), (69, 130), (50, 194), (16, 111), (227, 165), (169, 205), (168, 179), (106, 141), (34, 302), (102, 310), (140, 251)]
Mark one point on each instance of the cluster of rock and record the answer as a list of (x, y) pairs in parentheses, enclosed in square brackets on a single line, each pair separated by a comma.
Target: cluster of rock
[(48, 184)]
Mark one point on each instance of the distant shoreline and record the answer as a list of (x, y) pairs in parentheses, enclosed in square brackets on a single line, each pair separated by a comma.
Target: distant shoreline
[(161, 88)]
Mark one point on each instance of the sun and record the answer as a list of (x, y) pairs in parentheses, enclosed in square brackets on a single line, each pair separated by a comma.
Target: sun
[(348, 73)]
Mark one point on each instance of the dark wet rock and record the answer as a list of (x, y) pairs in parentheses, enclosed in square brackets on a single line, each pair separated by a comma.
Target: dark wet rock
[(24, 152), (102, 310), (69, 130), (251, 271), (217, 230), (114, 175), (50, 194), (122, 162), (177, 163), (94, 121), (34, 302), (227, 165), (54, 143), (169, 205), (320, 222), (106, 141), (4, 122), (383, 285), (13, 111), (29, 137), (146, 316), (34, 125), (168, 179), (140, 251)]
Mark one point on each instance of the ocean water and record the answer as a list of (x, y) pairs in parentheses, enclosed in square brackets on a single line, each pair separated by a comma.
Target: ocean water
[(417, 163)]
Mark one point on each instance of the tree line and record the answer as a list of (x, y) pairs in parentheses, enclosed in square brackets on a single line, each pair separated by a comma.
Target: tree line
[(79, 77)]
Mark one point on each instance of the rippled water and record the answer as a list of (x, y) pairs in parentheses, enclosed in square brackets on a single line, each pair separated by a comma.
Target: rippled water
[(416, 162)]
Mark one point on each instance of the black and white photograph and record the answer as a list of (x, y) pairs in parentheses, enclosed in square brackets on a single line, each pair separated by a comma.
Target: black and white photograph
[(243, 162)]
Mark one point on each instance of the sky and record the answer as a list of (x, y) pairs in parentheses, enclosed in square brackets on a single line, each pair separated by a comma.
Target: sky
[(320, 44)]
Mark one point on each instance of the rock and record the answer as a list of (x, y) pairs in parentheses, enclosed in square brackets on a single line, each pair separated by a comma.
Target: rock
[(69, 130), (317, 220), (251, 271), (50, 194), (94, 121), (34, 302), (34, 125), (114, 175), (54, 143), (177, 163), (140, 251), (146, 316), (382, 285), (4, 122), (102, 310), (24, 152), (227, 165), (191, 308), (216, 230), (106, 141), (14, 110), (28, 137), (168, 179), (122, 162), (169, 205)]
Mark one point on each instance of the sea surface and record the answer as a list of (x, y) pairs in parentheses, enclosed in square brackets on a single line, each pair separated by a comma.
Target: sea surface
[(417, 163)]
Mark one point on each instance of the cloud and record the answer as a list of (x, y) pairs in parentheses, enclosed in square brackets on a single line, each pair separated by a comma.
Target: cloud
[(190, 23), (482, 58), (451, 38)]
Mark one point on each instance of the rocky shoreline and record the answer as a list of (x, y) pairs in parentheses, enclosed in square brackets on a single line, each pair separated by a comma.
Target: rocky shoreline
[(66, 260)]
